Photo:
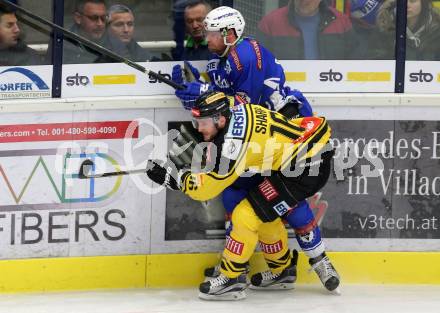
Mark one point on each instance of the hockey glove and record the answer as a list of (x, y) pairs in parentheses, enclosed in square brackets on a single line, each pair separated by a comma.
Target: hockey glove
[(176, 75), (191, 71), (189, 95), (163, 174)]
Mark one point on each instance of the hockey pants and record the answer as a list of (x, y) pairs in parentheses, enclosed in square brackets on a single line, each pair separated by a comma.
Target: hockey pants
[(247, 230)]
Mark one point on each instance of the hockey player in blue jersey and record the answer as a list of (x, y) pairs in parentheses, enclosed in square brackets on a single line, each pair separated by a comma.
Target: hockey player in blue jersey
[(242, 68)]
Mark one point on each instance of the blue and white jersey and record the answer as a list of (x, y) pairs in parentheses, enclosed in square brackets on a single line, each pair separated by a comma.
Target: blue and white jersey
[(251, 72)]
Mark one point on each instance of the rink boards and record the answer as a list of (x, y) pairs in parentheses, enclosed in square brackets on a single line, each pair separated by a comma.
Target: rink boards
[(185, 270), (60, 232)]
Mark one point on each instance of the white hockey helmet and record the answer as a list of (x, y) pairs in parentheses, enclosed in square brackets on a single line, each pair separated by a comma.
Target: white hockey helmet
[(225, 18)]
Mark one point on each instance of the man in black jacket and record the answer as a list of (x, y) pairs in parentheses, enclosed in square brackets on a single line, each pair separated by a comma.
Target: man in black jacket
[(196, 45), (90, 17), (120, 32), (13, 51)]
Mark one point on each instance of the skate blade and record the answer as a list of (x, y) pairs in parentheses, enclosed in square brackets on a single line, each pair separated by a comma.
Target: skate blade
[(336, 292), (230, 296), (281, 286)]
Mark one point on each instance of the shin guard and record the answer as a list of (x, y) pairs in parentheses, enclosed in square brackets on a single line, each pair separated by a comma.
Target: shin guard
[(274, 245), (307, 231)]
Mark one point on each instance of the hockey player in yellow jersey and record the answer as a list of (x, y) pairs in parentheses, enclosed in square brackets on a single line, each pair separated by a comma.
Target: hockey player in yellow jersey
[(294, 158)]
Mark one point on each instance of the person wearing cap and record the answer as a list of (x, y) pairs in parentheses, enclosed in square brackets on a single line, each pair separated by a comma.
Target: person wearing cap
[(300, 156)]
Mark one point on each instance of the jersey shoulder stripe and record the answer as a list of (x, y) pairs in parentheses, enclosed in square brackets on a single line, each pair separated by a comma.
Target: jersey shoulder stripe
[(257, 51), (244, 56), (320, 136)]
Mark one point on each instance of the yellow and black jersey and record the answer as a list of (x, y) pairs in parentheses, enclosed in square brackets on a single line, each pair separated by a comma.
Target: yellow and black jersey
[(257, 140)]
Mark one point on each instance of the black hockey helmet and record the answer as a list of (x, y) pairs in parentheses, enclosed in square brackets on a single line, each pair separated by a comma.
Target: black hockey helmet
[(211, 104)]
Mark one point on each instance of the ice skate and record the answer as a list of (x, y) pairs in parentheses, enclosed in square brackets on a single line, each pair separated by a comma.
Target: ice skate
[(223, 288), (215, 270), (269, 281), (326, 273), (211, 272)]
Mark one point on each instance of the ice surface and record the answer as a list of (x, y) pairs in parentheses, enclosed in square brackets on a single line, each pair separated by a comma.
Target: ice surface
[(304, 299)]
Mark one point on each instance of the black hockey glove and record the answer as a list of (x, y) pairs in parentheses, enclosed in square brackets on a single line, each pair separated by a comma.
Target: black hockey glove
[(165, 174)]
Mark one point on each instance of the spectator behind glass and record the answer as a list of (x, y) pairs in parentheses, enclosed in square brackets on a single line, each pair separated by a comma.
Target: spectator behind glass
[(90, 19), (13, 51), (120, 32), (422, 32), (307, 29), (363, 15), (196, 46)]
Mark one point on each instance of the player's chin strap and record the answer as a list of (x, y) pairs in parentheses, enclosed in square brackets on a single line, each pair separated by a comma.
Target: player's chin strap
[(228, 45)]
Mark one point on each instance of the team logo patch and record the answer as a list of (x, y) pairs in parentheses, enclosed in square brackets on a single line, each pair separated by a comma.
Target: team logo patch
[(271, 248), (310, 124), (307, 238), (281, 208), (234, 246), (231, 148)]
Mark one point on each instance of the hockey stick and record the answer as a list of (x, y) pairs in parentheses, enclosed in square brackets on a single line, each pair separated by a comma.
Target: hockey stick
[(87, 165), (95, 46)]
